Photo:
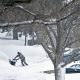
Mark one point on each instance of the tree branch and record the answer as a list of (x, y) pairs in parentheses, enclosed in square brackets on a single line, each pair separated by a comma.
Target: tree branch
[(67, 38), (51, 40), (3, 10), (50, 54), (74, 56), (35, 21), (36, 16), (54, 33), (76, 9), (68, 15), (21, 7), (27, 22), (72, 42), (70, 3)]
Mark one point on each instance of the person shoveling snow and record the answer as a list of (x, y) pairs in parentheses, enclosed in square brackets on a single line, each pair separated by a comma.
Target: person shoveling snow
[(19, 56)]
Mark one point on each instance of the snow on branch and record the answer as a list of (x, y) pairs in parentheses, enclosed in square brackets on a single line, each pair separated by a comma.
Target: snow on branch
[(27, 22), (41, 16), (67, 5), (36, 16), (49, 22), (15, 23), (69, 15), (21, 7)]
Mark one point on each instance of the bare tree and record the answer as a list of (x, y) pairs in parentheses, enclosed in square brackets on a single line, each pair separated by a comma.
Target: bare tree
[(55, 30)]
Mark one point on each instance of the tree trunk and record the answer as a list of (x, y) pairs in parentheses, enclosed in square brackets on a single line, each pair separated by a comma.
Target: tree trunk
[(59, 71), (15, 34), (25, 38)]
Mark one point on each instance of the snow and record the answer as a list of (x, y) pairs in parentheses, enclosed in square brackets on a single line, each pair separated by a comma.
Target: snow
[(36, 58), (3, 56), (74, 76)]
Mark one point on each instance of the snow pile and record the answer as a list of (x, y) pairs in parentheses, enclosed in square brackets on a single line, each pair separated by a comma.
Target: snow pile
[(7, 35)]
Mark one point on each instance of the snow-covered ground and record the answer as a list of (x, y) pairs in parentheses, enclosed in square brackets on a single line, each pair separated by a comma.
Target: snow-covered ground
[(36, 58), (37, 63)]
